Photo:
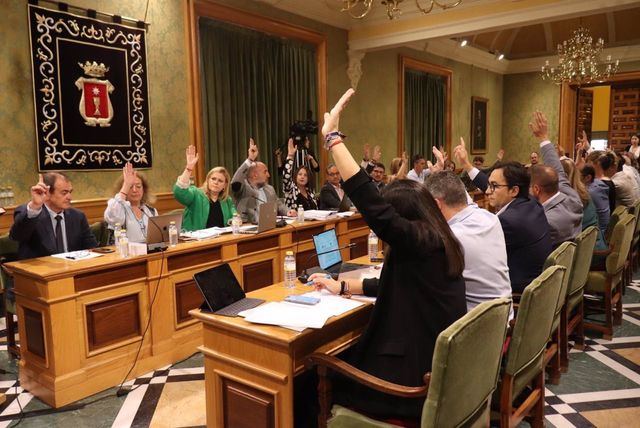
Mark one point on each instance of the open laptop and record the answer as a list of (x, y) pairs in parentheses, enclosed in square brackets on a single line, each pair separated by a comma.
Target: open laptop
[(329, 257), (158, 230), (266, 219), (222, 292)]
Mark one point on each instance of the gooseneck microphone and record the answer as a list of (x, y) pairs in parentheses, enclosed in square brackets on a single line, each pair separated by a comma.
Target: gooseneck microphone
[(304, 277)]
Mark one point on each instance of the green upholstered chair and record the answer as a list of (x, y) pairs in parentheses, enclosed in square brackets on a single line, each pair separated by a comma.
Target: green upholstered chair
[(561, 256), (603, 288), (524, 362), (572, 317), (613, 220), (101, 232), (9, 252), (458, 390)]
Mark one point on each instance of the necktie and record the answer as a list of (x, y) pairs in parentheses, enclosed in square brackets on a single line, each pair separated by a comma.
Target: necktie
[(59, 241)]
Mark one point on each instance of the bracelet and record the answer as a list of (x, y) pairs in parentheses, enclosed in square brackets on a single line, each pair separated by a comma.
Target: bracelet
[(343, 284), (125, 195), (331, 136), (344, 289), (334, 142), (190, 170)]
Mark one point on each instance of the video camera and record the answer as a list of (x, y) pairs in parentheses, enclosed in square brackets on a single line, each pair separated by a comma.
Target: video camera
[(301, 129)]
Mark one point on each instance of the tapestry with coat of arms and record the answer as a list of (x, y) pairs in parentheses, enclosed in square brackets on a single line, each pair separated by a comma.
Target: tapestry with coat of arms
[(90, 92)]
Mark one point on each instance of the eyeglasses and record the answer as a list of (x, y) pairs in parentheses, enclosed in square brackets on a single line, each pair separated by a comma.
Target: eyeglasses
[(493, 185)]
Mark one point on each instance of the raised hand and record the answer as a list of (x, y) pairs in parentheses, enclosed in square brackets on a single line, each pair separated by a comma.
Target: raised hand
[(500, 155), (129, 176), (253, 150), (39, 194), (461, 155), (377, 154), (539, 126), (439, 166), (291, 148), (192, 157), (332, 119), (366, 155), (405, 159)]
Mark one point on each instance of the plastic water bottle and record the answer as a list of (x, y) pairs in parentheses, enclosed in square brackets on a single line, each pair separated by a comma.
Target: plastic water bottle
[(300, 218), (289, 270), (373, 246), (123, 244), (173, 234), (236, 222), (117, 229)]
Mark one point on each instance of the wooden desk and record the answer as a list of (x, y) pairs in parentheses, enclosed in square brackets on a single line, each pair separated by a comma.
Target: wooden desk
[(81, 323), (250, 368)]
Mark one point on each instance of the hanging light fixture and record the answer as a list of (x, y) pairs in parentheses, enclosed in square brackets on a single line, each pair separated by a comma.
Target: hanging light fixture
[(579, 61), (358, 9)]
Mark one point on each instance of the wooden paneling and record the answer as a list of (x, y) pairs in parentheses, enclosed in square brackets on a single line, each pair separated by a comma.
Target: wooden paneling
[(304, 260), (300, 235), (181, 261), (356, 224), (257, 275), (89, 281), (35, 332), (259, 244), (625, 116), (112, 321), (585, 112), (187, 297), (245, 406), (361, 248)]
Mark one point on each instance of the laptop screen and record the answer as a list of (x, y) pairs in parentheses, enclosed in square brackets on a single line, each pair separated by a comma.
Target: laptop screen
[(219, 286), (327, 241)]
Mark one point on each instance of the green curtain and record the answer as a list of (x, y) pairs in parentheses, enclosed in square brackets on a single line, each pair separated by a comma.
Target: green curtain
[(253, 85), (424, 112)]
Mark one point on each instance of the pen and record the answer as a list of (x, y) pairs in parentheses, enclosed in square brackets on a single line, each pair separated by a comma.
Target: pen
[(70, 257)]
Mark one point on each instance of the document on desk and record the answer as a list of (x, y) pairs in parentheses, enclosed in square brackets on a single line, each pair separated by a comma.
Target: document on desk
[(77, 255), (297, 316), (212, 232)]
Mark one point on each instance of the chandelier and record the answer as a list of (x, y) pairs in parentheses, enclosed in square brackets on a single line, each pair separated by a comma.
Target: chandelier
[(579, 61), (360, 8)]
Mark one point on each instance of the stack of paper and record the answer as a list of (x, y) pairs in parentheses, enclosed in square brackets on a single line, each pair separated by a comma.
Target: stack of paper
[(318, 214), (211, 232)]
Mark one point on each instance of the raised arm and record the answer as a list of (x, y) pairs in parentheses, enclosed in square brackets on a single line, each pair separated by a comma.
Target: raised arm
[(404, 167), (540, 128), (479, 178)]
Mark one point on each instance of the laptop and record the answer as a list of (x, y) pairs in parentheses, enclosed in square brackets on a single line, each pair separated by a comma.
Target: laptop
[(329, 257), (222, 292), (266, 219), (158, 230)]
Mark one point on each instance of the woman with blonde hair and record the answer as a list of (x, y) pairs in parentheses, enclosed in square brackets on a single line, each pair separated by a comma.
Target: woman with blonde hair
[(208, 205), (398, 168), (130, 207)]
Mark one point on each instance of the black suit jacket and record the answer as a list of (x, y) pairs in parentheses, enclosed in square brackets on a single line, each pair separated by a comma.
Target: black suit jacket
[(36, 237), (415, 302), (526, 234), (329, 199)]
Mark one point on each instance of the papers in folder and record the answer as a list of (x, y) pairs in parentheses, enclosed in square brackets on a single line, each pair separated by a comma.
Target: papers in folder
[(297, 316), (318, 214)]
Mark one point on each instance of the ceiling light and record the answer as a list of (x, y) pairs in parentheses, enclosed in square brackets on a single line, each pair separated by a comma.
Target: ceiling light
[(463, 43), (499, 56), (358, 9)]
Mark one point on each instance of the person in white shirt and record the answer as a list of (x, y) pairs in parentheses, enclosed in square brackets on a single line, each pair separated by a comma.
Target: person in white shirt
[(480, 234), (419, 172)]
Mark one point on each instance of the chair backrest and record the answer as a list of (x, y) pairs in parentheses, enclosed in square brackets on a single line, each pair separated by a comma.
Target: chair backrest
[(8, 253), (465, 366), (635, 208), (101, 232), (533, 327), (613, 220), (562, 256), (585, 244), (620, 244)]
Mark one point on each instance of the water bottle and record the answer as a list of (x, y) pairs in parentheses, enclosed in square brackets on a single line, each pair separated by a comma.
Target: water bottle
[(373, 246), (289, 270), (117, 230), (123, 244), (173, 234), (300, 218), (236, 222)]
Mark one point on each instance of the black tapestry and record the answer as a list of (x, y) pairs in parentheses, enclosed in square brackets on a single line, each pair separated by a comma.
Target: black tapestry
[(90, 92)]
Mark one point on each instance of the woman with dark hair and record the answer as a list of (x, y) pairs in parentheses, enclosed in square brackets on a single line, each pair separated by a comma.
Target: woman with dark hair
[(130, 207), (420, 291), (296, 185)]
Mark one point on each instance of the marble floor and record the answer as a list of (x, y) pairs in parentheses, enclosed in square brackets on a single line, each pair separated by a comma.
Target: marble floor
[(601, 389)]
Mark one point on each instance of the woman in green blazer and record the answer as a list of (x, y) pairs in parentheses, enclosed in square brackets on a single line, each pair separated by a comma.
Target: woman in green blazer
[(208, 205)]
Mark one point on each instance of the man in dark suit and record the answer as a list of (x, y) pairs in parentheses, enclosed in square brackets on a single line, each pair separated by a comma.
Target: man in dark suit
[(47, 224), (524, 223), (331, 193)]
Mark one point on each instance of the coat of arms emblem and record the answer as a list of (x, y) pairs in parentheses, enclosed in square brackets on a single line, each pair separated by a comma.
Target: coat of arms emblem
[(95, 104)]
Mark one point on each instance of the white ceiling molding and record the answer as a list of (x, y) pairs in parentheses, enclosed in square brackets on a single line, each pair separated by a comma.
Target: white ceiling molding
[(450, 49), (485, 22), (317, 10)]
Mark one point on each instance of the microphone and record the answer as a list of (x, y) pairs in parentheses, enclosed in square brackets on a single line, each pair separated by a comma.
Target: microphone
[(304, 277)]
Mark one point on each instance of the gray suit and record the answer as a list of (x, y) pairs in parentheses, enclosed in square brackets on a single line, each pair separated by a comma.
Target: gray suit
[(247, 198), (564, 212)]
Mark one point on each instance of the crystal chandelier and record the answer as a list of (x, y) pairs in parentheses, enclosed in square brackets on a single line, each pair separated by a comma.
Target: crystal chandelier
[(360, 8), (579, 61)]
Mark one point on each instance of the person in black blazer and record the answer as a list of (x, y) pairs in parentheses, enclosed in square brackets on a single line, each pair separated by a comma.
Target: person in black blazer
[(329, 197), (47, 224), (524, 223), (420, 292)]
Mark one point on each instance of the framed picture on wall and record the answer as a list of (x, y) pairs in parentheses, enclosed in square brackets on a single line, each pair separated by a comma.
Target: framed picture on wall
[(479, 125)]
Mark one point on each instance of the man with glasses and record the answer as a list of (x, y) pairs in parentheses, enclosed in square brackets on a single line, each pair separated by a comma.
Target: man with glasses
[(331, 194), (524, 224), (377, 175)]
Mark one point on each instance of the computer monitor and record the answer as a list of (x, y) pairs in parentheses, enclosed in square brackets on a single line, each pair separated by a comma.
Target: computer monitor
[(327, 241)]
